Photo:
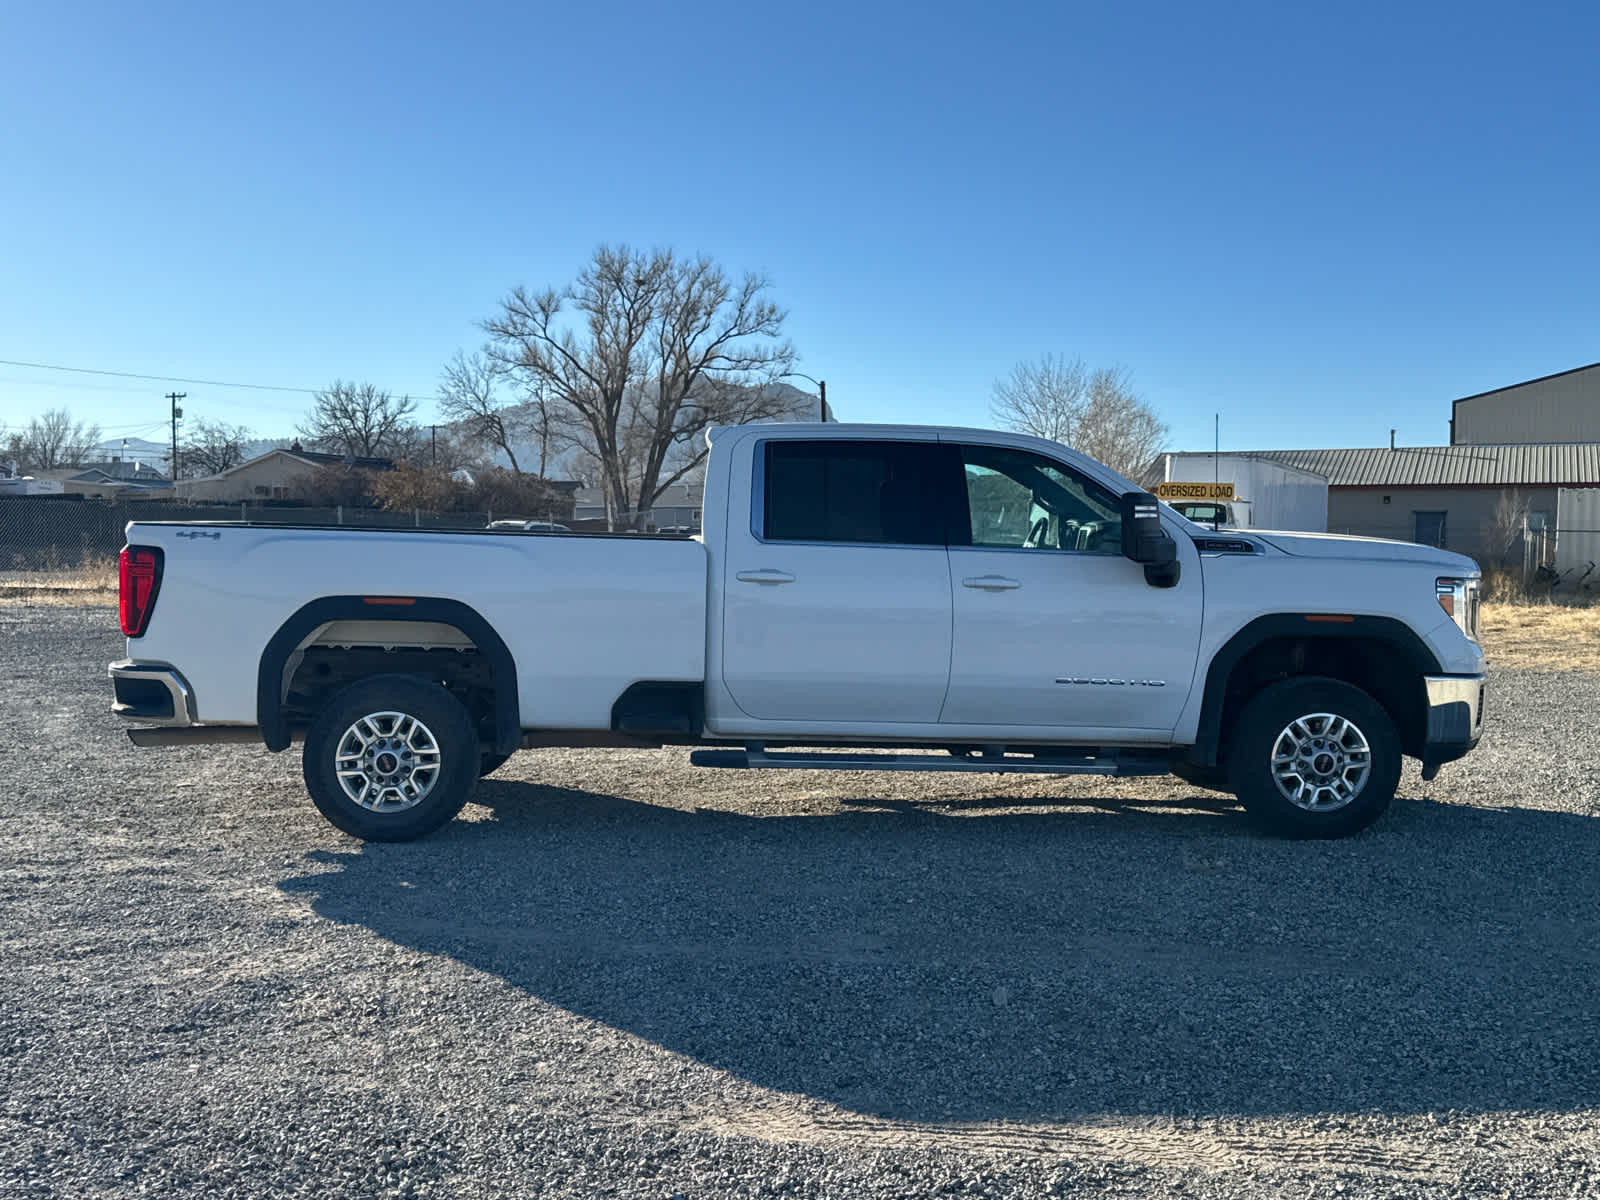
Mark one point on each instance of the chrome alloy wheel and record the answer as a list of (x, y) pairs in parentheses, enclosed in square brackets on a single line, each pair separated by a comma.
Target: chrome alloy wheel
[(387, 762), (1320, 762)]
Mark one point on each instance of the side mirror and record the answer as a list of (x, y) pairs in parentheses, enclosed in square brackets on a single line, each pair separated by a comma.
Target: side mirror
[(1145, 541)]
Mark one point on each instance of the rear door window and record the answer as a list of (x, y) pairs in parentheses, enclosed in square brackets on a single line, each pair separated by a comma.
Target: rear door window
[(870, 492)]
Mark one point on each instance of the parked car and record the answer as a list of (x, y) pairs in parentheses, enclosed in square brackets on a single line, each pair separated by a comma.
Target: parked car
[(972, 601), (530, 526)]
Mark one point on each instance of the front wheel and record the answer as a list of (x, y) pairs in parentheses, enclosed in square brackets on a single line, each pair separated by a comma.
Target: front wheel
[(391, 758), (1314, 758)]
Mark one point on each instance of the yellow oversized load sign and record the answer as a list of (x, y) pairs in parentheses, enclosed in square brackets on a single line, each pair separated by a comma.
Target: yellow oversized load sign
[(1194, 491)]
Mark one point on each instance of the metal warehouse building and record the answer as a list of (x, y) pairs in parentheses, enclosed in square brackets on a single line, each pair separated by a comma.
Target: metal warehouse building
[(1459, 497), (1519, 483), (1557, 408)]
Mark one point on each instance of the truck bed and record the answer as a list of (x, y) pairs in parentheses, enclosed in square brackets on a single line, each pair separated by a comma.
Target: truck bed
[(588, 614)]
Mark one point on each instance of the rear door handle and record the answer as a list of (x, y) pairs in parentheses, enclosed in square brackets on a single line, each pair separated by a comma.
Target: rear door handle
[(765, 576), (991, 583)]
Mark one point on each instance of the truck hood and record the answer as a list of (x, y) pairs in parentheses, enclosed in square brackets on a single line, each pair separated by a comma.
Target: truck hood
[(1335, 545)]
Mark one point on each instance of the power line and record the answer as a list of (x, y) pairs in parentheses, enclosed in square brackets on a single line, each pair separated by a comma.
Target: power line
[(256, 387)]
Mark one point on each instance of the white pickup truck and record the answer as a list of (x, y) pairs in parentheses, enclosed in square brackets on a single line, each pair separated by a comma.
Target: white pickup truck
[(967, 600)]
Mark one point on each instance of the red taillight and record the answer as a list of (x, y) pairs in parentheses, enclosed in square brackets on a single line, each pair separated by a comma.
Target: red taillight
[(138, 578)]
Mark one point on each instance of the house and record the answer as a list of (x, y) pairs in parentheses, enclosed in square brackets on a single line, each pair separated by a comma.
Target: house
[(115, 480), (276, 475)]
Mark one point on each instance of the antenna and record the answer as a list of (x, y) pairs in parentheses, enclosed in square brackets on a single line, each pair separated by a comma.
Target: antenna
[(1216, 469)]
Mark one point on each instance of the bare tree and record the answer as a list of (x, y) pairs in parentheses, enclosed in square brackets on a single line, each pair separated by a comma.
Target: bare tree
[(1095, 411), (449, 449), (56, 440), (213, 446), (410, 443), (663, 348), (1118, 428), (1045, 399), (358, 419), (1507, 527), (550, 429), (467, 394)]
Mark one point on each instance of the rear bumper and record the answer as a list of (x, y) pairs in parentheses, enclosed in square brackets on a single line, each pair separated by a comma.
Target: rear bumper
[(1455, 718), (151, 693)]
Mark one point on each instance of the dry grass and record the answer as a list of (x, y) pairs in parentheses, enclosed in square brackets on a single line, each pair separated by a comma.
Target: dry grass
[(92, 583), (1549, 636)]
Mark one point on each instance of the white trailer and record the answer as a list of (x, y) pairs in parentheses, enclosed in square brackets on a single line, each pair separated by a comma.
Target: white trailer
[(1266, 494)]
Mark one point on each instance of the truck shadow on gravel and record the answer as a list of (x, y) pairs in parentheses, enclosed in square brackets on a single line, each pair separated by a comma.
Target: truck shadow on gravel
[(1130, 959)]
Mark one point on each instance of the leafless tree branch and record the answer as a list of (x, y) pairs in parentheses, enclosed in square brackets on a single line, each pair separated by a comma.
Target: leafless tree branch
[(55, 440), (358, 419), (1096, 411)]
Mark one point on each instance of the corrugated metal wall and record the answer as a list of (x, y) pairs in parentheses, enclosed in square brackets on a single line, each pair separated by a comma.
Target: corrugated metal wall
[(1469, 521), (1577, 529), (1563, 408)]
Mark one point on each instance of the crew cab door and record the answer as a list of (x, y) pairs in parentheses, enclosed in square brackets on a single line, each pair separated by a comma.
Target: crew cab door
[(837, 597), (1053, 626)]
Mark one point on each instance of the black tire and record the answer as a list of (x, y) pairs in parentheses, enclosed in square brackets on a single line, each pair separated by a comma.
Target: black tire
[(490, 762), (1336, 797), (439, 732), (1213, 779)]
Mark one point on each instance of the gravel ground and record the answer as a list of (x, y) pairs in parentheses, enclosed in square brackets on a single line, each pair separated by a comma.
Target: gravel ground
[(618, 976)]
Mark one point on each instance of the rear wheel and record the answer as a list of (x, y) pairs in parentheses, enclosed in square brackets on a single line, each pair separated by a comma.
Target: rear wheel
[(1314, 758), (490, 762), (391, 758)]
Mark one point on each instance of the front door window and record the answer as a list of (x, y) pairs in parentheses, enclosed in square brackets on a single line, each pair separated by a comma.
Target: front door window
[(1024, 501)]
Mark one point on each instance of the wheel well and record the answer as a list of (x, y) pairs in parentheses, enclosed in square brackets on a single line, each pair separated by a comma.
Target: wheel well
[(323, 671), (334, 642), (1374, 665)]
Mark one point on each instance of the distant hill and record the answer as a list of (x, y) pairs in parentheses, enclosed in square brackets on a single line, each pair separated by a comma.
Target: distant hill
[(151, 454)]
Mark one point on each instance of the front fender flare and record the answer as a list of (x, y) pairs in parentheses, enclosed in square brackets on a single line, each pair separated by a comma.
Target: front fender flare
[(1412, 656)]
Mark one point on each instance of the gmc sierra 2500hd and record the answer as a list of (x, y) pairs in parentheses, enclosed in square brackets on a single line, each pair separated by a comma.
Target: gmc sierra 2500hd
[(971, 601)]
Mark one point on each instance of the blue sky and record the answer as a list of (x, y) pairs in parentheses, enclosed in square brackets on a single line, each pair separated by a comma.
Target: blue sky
[(1321, 221)]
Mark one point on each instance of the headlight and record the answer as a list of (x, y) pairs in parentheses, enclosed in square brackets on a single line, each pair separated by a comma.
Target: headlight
[(1459, 599)]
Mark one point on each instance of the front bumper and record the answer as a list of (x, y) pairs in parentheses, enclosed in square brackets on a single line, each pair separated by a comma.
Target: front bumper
[(152, 693), (1455, 719)]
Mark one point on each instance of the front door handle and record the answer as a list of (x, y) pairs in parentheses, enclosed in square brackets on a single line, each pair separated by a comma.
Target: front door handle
[(991, 583), (764, 576)]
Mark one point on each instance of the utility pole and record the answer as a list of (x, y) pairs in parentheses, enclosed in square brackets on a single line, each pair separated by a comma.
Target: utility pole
[(433, 434), (176, 413)]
